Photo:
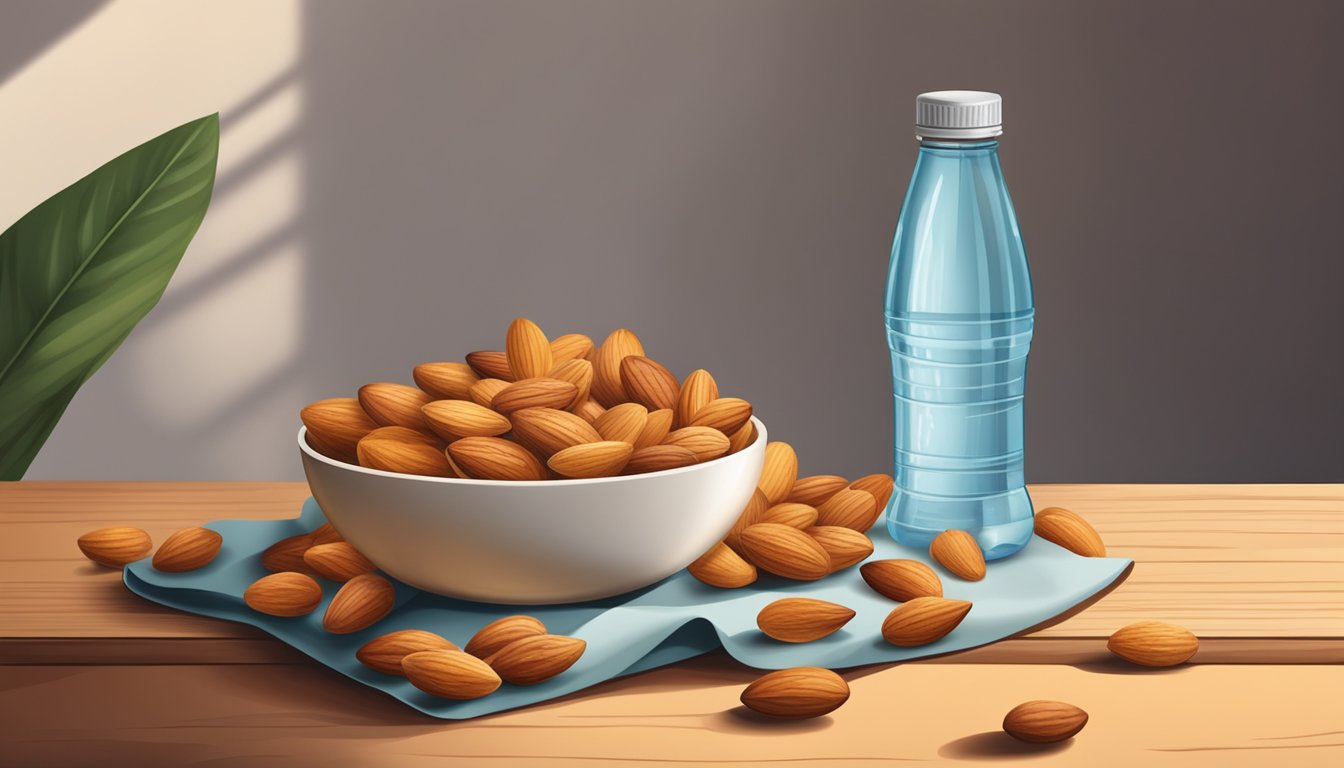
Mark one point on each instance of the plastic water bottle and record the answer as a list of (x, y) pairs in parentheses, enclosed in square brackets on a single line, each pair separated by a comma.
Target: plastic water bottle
[(959, 322)]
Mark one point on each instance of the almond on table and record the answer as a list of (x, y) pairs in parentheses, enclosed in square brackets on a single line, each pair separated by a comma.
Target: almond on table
[(115, 547), (797, 693)]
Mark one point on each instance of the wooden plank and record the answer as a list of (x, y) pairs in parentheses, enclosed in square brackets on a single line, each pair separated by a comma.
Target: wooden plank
[(1223, 716), (1239, 565)]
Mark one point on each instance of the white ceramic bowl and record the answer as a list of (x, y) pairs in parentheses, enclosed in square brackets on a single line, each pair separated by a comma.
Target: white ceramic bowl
[(535, 542)]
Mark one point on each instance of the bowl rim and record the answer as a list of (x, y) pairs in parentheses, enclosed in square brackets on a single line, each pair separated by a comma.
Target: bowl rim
[(308, 451)]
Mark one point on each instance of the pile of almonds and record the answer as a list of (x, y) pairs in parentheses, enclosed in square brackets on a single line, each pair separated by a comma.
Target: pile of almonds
[(541, 409)]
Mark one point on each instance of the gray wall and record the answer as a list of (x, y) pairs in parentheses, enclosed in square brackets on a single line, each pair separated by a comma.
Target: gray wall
[(724, 178)]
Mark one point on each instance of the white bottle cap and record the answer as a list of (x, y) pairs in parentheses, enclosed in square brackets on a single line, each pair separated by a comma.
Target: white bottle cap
[(958, 115)]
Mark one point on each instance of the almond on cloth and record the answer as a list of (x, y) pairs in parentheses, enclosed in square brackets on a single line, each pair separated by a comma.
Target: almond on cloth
[(649, 383), (338, 561), (392, 404), (1070, 531), (283, 594), (325, 533), (450, 674), (846, 546), (187, 550), (816, 489), (849, 508), (527, 349), (785, 551), (723, 568), (958, 552), (385, 652), (779, 472), (361, 602), (797, 693), (531, 660), (491, 364), (698, 390), (115, 547), (1044, 722), (802, 619), (445, 381), (656, 458), (923, 620), (501, 632), (335, 426), (1153, 644), (901, 580), (287, 554)]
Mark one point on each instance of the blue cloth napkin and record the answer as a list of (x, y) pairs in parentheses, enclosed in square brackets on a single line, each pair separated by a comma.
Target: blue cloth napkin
[(673, 620)]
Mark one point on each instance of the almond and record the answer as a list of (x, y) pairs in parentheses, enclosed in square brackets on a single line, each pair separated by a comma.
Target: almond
[(1153, 644), (287, 554), (785, 551), (491, 365), (705, 442), (750, 515), (958, 552), (406, 434), (571, 346), (879, 486), (723, 568), (534, 393), (445, 381), (657, 425), (326, 533), (494, 636), (1044, 722), (657, 458), (901, 580), (601, 459), (1070, 531), (530, 660), (493, 458), (742, 438), (361, 602), (649, 383), (335, 427), (450, 674), (624, 422), (483, 392), (338, 561), (726, 414), (816, 489), (453, 419), (798, 516), (850, 509), (802, 619), (187, 550), (576, 372), (283, 594), (403, 457), (846, 546), (115, 547), (923, 620), (797, 693), (547, 430), (607, 387), (698, 390), (394, 404), (528, 350), (588, 410), (385, 652), (779, 473)]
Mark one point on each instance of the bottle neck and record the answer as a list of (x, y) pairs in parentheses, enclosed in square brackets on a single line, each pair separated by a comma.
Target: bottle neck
[(958, 145)]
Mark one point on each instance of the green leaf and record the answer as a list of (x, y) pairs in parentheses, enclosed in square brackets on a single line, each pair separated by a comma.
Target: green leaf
[(81, 269)]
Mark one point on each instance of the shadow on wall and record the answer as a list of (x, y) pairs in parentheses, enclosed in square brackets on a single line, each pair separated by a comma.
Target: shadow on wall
[(33, 27)]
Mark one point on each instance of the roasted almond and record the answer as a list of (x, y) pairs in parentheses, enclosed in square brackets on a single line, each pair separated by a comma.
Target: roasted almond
[(797, 693), (705, 442), (901, 580), (576, 372), (500, 632), (723, 568), (491, 364), (530, 660), (802, 619), (453, 419), (958, 552), (779, 473), (547, 430), (326, 533), (361, 602), (287, 554), (528, 350), (283, 594), (1153, 644), (785, 551), (846, 546), (335, 426), (602, 459), (742, 438), (493, 458), (879, 486), (698, 390), (750, 515), (726, 414), (534, 393), (923, 620), (607, 387), (816, 489), (588, 410), (1070, 531), (1044, 722), (406, 434), (445, 381), (849, 508), (450, 674), (657, 458), (338, 561), (385, 652), (187, 550), (392, 404), (403, 457), (624, 422), (649, 383), (799, 516), (571, 346), (115, 547), (483, 392)]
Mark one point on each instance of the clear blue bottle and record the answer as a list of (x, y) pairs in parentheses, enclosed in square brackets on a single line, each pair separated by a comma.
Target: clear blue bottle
[(959, 323)]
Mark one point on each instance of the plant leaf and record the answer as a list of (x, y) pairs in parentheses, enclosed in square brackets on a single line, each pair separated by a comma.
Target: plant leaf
[(81, 269)]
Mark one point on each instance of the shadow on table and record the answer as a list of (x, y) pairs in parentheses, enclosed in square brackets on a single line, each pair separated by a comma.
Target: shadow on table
[(997, 745), (1113, 665)]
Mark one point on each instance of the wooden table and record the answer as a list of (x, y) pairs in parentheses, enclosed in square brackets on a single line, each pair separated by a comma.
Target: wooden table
[(92, 675)]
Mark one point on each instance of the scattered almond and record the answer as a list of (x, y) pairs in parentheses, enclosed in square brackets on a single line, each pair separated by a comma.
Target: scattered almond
[(1153, 644), (492, 458), (1044, 722), (723, 568), (361, 602), (797, 693), (403, 457), (500, 632), (534, 393), (445, 381), (530, 660), (528, 350), (283, 594), (115, 547), (901, 580), (706, 443), (394, 404), (958, 552), (816, 489), (1070, 531), (453, 419), (846, 546), (385, 652), (849, 508), (547, 430), (802, 619), (450, 674), (698, 390), (780, 471), (785, 551), (491, 365), (923, 620), (335, 426), (187, 550), (338, 561), (799, 516), (287, 554), (657, 458), (601, 459)]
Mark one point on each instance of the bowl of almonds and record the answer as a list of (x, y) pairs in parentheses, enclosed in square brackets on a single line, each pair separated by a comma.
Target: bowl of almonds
[(553, 471)]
